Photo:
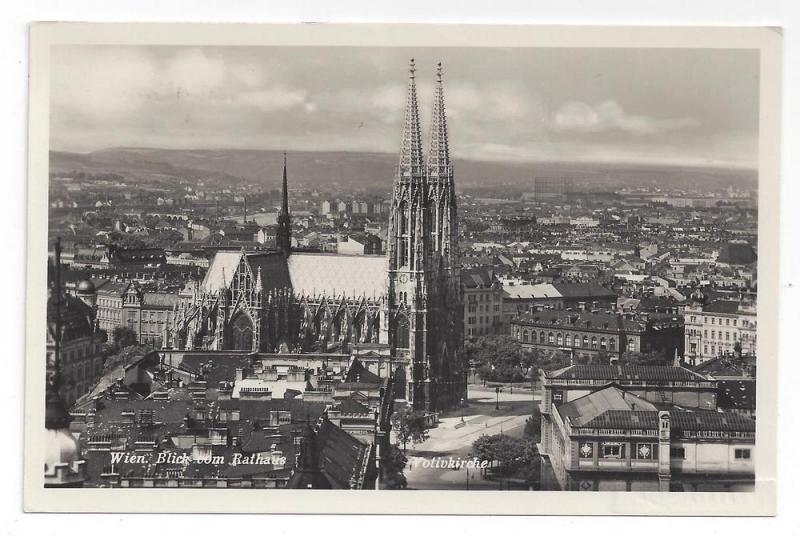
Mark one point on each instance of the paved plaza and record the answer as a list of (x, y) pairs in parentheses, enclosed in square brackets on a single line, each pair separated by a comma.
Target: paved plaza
[(456, 432)]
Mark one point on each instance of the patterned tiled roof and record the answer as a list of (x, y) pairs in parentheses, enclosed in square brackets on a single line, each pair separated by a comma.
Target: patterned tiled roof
[(220, 273), (593, 405), (341, 455), (626, 372), (333, 275), (681, 420)]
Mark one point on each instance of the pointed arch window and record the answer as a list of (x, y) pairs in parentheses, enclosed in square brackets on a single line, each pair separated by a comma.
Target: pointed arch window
[(402, 339), (403, 234)]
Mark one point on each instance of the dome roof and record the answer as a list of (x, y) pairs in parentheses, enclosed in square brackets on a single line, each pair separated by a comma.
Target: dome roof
[(86, 286)]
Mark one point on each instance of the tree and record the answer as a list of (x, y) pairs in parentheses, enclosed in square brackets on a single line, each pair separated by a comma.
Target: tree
[(646, 358), (499, 358), (509, 453), (410, 426), (123, 336), (394, 465), (533, 425)]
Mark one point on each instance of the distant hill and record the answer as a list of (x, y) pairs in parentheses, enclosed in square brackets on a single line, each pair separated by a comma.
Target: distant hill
[(350, 171)]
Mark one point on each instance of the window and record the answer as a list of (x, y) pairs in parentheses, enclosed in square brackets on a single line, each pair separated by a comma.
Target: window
[(677, 452), (602, 343), (705, 333), (402, 333), (645, 451), (585, 341), (525, 336), (727, 321), (559, 339), (741, 454), (594, 343), (631, 345), (550, 337), (713, 334), (612, 344), (541, 337), (713, 320), (612, 451)]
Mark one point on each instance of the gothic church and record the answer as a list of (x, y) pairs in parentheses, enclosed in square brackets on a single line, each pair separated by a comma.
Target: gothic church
[(406, 305)]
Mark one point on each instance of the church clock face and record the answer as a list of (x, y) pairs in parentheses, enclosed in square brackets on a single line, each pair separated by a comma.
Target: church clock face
[(403, 278)]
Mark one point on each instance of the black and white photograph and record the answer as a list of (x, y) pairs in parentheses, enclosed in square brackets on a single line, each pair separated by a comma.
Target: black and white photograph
[(402, 268)]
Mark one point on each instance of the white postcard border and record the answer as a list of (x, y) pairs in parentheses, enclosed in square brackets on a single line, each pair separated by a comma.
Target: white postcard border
[(760, 502)]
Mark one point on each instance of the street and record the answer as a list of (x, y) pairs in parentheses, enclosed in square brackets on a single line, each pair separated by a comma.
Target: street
[(453, 438)]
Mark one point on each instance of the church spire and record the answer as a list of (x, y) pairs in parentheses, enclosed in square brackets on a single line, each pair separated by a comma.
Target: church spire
[(283, 239), (439, 154), (411, 147), (285, 191)]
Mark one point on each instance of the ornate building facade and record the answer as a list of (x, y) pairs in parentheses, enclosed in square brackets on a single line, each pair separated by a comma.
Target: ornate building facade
[(406, 306)]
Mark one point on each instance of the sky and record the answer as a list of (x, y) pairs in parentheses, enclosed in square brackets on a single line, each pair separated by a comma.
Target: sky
[(661, 106)]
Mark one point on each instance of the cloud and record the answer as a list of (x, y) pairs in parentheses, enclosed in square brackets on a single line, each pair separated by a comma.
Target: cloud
[(275, 98), (352, 99), (579, 117)]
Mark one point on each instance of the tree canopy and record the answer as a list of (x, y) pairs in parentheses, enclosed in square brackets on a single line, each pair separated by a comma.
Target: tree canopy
[(500, 358), (509, 453), (409, 426), (123, 337)]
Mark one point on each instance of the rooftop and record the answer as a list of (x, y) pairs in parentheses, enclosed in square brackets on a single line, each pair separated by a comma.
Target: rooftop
[(626, 372)]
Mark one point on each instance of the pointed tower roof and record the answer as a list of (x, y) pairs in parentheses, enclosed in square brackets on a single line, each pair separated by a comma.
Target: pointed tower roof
[(411, 163), (283, 240), (285, 190), (439, 154)]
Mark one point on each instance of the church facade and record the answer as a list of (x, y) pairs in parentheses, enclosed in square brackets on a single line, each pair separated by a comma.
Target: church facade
[(406, 306)]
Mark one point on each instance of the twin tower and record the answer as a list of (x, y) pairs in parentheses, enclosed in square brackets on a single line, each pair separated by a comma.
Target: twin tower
[(424, 292)]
